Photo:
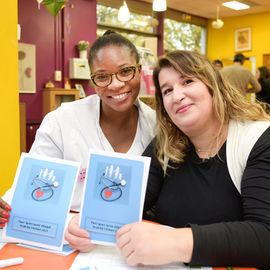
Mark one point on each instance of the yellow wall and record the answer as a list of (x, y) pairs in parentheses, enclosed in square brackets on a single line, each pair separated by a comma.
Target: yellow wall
[(9, 95), (220, 42)]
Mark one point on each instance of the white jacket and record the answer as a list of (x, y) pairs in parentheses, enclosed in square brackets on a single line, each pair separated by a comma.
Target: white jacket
[(71, 130), (242, 136)]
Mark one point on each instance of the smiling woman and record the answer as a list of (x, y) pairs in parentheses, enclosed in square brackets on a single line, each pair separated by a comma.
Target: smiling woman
[(122, 122), (113, 120), (206, 179)]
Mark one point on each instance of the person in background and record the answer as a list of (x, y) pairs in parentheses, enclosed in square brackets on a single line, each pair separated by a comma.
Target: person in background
[(263, 76), (218, 64), (240, 77), (210, 173), (113, 119)]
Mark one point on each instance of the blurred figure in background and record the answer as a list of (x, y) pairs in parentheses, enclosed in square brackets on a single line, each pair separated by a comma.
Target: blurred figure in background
[(218, 64), (262, 76), (240, 77)]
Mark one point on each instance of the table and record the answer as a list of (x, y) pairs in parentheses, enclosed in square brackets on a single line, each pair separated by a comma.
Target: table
[(34, 259)]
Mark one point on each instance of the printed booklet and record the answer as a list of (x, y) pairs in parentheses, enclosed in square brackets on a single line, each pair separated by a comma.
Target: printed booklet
[(40, 200), (113, 193)]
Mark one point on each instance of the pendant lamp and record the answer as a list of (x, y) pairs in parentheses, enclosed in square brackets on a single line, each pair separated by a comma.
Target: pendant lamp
[(217, 24), (123, 13), (159, 5), (39, 2)]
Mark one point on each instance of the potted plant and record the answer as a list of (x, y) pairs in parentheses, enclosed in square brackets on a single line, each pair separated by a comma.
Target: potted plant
[(82, 47)]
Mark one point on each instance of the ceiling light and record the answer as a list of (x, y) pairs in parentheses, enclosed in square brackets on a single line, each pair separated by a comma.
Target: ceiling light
[(123, 13), (235, 5), (217, 23), (39, 2), (159, 5)]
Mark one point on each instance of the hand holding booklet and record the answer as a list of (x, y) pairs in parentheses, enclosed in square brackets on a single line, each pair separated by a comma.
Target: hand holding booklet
[(113, 194), (40, 200)]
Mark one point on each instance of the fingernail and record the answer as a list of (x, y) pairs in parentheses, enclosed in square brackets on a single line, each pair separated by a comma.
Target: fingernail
[(2, 225), (4, 220), (8, 208), (6, 214)]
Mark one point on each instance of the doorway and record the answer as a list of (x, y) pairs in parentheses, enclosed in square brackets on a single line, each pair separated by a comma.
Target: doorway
[(266, 60)]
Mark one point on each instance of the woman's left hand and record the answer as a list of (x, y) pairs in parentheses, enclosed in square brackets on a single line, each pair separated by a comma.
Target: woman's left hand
[(151, 244), (77, 237)]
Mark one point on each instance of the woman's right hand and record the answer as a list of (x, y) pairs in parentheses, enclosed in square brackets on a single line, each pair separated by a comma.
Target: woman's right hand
[(77, 237), (4, 214)]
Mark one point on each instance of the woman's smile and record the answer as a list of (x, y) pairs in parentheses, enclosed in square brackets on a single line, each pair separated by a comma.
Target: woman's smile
[(120, 97), (183, 108)]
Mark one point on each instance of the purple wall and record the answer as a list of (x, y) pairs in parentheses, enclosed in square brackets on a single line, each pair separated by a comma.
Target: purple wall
[(79, 23), (55, 41)]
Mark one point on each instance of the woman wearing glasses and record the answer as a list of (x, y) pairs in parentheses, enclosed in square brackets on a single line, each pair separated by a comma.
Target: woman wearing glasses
[(113, 120)]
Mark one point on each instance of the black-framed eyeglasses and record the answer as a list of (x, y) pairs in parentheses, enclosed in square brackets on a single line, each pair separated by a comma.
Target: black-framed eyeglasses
[(123, 75)]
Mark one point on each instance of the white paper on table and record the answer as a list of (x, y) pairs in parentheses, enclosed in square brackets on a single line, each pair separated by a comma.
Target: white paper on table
[(2, 245), (3, 242), (109, 257), (64, 252)]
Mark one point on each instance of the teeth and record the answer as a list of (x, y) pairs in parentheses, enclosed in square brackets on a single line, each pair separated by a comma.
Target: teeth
[(120, 96)]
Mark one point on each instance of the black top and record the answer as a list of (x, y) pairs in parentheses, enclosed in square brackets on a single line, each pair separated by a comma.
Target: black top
[(229, 229), (264, 94)]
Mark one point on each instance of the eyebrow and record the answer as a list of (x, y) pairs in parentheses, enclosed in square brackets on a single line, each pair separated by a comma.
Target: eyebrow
[(120, 67), (163, 86), (181, 77)]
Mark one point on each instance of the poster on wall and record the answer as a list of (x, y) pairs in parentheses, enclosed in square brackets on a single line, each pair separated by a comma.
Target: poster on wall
[(243, 39), (148, 60), (27, 68)]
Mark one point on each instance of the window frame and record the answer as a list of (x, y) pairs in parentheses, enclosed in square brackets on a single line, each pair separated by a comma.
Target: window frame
[(183, 17), (143, 8)]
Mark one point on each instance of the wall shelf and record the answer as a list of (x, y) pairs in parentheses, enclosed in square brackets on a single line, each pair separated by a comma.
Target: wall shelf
[(53, 97)]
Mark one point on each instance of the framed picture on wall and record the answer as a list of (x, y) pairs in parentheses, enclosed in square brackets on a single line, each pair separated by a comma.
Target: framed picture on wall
[(27, 68), (243, 39), (80, 87)]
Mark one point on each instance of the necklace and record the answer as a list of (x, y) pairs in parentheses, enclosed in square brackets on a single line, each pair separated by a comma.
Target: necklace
[(214, 146), (208, 152)]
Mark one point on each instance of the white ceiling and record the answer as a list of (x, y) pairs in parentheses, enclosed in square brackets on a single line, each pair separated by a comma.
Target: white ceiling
[(208, 8)]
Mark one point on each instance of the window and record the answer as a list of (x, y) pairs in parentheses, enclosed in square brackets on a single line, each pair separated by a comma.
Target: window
[(137, 40), (183, 36), (138, 22), (140, 29), (137, 29)]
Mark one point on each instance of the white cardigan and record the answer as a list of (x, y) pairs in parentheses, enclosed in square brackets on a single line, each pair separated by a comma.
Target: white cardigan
[(71, 130), (242, 136)]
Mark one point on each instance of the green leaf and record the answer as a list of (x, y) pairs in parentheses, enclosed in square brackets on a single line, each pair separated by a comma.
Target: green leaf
[(54, 6)]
